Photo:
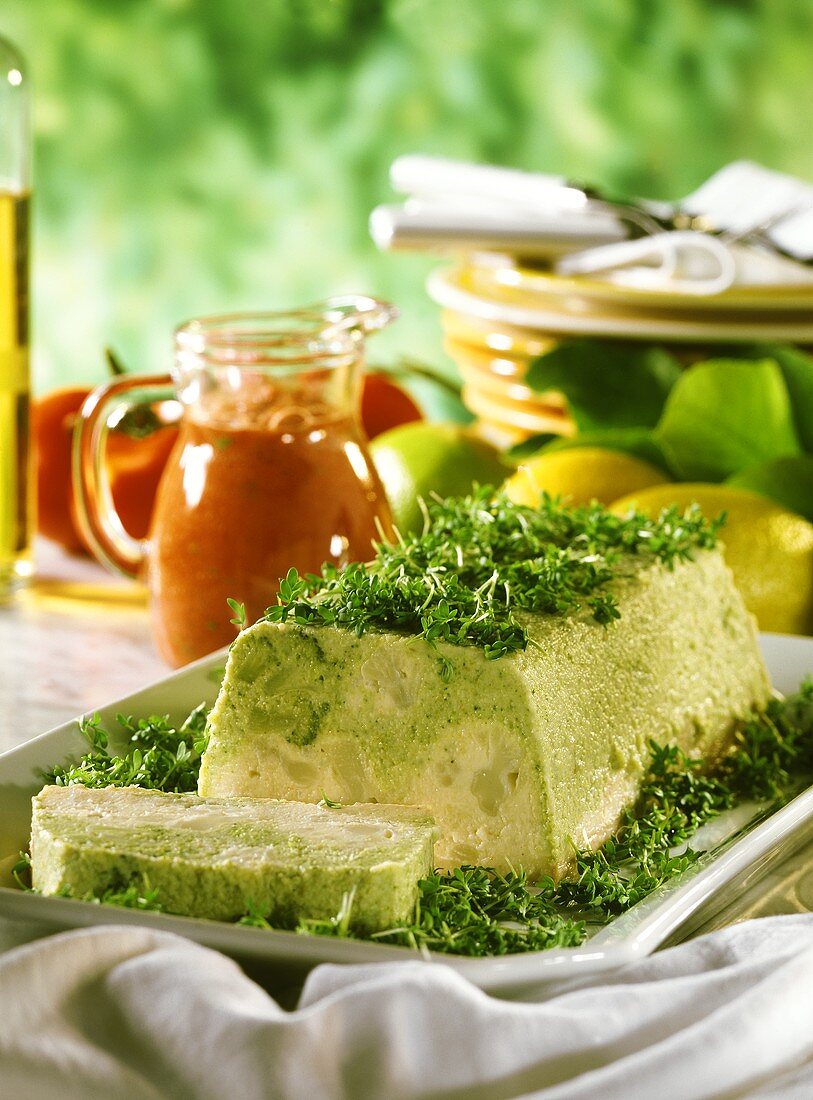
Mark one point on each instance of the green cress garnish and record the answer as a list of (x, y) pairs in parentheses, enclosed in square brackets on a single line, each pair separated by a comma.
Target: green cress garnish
[(482, 558), (160, 756), (239, 610)]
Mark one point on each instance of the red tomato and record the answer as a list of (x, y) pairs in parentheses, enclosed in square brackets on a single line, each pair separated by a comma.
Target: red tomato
[(385, 405), (134, 467)]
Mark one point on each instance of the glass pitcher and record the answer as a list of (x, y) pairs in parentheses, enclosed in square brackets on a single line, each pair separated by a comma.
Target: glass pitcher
[(270, 470)]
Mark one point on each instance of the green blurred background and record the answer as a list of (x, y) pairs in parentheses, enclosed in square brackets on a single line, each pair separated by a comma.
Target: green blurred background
[(204, 155)]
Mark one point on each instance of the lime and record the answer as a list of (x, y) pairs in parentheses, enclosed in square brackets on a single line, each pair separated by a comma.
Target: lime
[(417, 459), (768, 548), (581, 475)]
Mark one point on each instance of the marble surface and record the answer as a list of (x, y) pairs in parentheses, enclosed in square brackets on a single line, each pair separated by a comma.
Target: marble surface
[(74, 640)]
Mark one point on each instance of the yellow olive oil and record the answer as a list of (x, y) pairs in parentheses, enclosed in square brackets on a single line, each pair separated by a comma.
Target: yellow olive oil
[(15, 480)]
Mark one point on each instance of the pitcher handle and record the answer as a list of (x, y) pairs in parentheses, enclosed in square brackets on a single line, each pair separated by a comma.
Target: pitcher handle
[(357, 311), (96, 513)]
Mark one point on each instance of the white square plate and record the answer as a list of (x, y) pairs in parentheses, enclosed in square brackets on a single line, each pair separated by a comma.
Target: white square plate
[(642, 929)]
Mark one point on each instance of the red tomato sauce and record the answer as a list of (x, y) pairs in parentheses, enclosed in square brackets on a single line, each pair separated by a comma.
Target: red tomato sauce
[(237, 508)]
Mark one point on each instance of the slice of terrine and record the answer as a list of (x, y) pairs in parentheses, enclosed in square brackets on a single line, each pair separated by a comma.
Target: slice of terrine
[(520, 760), (216, 857)]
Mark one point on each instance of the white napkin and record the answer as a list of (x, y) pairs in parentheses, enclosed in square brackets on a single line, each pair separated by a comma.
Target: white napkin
[(454, 206), (738, 198), (744, 194), (132, 1013)]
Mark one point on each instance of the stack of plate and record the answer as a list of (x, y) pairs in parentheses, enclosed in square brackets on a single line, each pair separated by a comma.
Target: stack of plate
[(498, 316)]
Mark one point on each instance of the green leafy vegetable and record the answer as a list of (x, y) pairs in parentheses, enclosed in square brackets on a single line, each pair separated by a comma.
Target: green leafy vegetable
[(479, 911), (746, 418), (607, 385), (159, 755), (138, 422), (724, 415), (338, 925), (239, 610), (797, 369), (21, 871), (530, 446), (254, 917), (129, 896), (479, 559), (788, 481), (774, 750)]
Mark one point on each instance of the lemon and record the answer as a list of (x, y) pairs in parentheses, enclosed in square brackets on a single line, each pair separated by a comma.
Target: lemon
[(768, 548), (418, 459), (581, 475)]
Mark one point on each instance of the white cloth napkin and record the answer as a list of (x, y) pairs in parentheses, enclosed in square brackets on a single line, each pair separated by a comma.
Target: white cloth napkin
[(740, 197), (132, 1013), (454, 206)]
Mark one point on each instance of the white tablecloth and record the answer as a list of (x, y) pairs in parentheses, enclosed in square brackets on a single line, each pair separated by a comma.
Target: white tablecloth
[(132, 1013)]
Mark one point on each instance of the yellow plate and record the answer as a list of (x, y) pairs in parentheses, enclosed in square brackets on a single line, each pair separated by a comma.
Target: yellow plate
[(482, 371), (515, 415), (761, 298), (507, 341), (556, 315), (510, 343)]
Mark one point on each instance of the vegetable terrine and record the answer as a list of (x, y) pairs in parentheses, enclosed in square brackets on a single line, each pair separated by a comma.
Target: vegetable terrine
[(217, 857), (507, 669), (522, 759)]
